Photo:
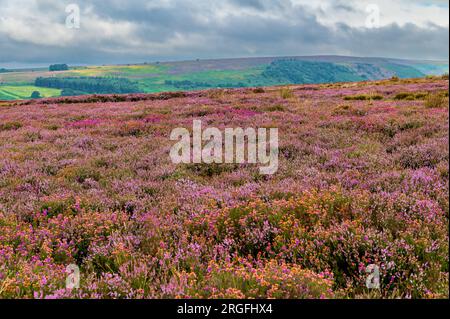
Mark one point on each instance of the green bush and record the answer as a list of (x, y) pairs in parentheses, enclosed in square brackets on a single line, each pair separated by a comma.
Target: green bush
[(436, 101), (286, 93), (363, 97), (35, 95), (10, 126)]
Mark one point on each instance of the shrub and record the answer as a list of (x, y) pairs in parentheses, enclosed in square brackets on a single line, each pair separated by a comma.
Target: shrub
[(52, 127), (349, 110), (10, 126), (410, 96), (35, 95), (216, 94), (79, 174), (364, 97), (259, 90), (425, 155), (57, 206), (286, 93), (131, 128), (273, 280), (436, 101), (421, 95), (210, 170), (275, 108)]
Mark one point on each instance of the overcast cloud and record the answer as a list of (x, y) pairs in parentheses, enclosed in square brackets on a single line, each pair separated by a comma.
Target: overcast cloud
[(119, 31)]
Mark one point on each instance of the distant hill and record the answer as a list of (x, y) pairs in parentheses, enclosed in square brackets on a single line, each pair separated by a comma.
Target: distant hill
[(206, 74)]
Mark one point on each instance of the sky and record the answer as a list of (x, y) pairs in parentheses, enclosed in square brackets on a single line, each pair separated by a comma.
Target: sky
[(39, 32)]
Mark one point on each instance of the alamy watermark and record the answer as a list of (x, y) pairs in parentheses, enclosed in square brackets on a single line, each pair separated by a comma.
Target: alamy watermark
[(226, 147), (73, 16), (373, 18), (73, 277), (373, 279)]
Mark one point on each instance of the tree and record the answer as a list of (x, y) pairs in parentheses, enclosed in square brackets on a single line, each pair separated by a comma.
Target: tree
[(58, 67), (35, 95), (95, 85)]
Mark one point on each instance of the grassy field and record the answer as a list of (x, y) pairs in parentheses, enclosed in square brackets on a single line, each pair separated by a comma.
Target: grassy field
[(19, 92), (214, 78), (128, 71), (207, 74)]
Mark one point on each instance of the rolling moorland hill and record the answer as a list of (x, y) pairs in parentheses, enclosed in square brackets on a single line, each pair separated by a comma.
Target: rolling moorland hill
[(207, 74), (363, 180)]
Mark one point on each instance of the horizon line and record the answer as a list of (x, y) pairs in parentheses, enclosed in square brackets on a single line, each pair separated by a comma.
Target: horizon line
[(44, 64)]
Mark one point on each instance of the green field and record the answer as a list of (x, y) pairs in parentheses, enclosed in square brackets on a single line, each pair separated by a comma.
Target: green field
[(128, 71), (20, 92), (214, 78), (209, 74)]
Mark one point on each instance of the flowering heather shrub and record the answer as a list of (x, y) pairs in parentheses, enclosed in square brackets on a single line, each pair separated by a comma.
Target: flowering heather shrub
[(273, 280), (88, 181)]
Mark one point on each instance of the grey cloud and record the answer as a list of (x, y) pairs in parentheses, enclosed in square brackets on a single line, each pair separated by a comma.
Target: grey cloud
[(255, 4), (261, 5), (287, 30)]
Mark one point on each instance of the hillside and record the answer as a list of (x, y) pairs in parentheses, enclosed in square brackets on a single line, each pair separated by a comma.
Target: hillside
[(207, 74), (363, 180)]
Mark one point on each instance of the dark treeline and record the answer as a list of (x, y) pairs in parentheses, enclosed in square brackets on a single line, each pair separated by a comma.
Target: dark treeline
[(94, 85), (58, 67), (294, 71), (186, 84)]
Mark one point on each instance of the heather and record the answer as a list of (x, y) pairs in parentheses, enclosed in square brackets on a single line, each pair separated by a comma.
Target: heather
[(362, 179)]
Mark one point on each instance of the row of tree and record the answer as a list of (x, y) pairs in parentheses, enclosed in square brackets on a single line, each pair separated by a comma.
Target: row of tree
[(58, 67), (92, 85), (186, 84), (299, 72)]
